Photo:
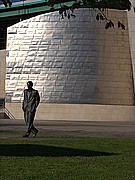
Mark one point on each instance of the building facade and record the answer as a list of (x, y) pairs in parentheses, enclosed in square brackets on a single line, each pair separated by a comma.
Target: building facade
[(74, 61)]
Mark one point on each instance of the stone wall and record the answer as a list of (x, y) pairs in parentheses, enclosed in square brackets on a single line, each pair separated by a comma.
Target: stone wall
[(2, 76), (131, 26), (70, 61), (77, 112)]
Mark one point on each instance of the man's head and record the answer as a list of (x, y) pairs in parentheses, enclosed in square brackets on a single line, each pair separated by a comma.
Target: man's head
[(29, 84)]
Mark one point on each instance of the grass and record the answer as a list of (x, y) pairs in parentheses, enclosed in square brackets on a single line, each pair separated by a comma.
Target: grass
[(66, 158)]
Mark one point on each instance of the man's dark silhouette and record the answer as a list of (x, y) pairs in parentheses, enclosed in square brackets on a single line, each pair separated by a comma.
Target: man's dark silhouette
[(30, 103)]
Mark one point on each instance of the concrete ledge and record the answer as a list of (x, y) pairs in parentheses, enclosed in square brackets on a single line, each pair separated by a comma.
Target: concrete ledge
[(77, 112)]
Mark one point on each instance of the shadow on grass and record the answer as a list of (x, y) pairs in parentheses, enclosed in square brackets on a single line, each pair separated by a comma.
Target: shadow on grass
[(47, 151)]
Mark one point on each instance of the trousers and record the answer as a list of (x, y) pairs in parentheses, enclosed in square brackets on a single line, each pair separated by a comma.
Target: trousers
[(29, 120)]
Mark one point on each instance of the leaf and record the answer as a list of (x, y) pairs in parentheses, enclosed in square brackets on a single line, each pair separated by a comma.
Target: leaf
[(111, 24), (68, 16), (65, 13), (60, 11), (107, 25), (97, 17), (73, 16), (102, 17), (72, 10), (122, 26), (62, 17), (119, 24), (7, 2)]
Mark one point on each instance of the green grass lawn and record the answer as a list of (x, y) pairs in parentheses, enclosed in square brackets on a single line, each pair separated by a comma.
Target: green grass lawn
[(66, 158)]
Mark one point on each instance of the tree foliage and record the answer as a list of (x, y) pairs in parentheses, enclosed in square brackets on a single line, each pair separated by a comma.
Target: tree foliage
[(7, 3), (109, 24), (113, 4), (68, 11), (110, 4)]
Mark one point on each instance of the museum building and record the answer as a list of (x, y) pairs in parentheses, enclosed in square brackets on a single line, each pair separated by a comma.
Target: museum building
[(81, 70)]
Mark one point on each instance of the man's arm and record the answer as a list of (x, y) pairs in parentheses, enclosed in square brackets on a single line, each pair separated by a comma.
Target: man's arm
[(37, 98), (24, 99)]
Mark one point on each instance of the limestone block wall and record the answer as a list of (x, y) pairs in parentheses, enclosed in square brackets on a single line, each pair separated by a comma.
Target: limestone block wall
[(131, 26), (70, 61), (76, 112), (2, 75)]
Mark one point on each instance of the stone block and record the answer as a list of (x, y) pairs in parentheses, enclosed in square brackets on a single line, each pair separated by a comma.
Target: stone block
[(60, 83), (45, 42), (57, 65), (75, 71)]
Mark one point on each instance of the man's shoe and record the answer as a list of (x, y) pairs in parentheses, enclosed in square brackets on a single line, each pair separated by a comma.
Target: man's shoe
[(34, 135), (26, 135)]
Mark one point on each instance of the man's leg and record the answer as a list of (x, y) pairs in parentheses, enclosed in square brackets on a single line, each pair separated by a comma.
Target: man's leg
[(27, 120), (33, 129), (30, 121)]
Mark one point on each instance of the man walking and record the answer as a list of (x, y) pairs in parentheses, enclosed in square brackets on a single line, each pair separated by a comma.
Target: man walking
[(30, 103)]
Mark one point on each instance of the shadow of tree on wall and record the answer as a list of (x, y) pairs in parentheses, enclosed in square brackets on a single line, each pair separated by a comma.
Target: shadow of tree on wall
[(47, 151)]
